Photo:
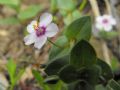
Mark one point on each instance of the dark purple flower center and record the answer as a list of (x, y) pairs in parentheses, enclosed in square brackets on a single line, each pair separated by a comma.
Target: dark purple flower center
[(105, 21), (40, 31)]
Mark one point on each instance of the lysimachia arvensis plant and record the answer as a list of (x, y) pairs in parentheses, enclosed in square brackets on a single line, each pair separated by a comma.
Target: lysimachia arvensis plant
[(72, 59)]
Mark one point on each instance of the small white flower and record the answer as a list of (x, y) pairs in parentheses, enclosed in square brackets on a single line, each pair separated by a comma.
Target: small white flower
[(105, 22), (40, 31)]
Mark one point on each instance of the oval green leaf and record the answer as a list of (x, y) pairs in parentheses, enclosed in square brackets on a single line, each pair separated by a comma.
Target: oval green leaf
[(54, 66), (80, 29), (83, 55)]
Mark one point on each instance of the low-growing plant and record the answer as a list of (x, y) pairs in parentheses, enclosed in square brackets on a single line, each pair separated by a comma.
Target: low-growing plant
[(14, 76), (73, 60)]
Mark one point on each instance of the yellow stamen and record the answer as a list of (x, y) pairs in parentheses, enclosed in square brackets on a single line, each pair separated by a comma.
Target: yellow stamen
[(35, 26)]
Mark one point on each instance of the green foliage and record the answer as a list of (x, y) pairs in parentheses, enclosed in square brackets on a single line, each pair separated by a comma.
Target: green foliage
[(57, 86), (72, 59), (82, 66), (67, 9), (11, 67), (68, 74), (40, 79), (82, 55), (106, 70), (80, 85), (51, 79), (100, 87), (67, 5), (49, 83), (78, 34), (84, 86), (83, 4), (113, 85), (70, 17), (9, 21), (81, 70), (79, 29), (53, 5), (114, 63), (90, 75), (30, 12), (57, 52), (54, 66), (10, 2), (14, 77)]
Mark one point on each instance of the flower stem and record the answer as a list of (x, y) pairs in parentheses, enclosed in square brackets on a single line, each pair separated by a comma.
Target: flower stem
[(54, 44)]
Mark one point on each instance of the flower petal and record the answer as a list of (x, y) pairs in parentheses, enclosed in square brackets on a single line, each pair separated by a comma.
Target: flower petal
[(51, 30), (113, 21), (29, 39), (108, 28), (99, 19), (45, 19), (40, 41), (99, 26), (30, 27)]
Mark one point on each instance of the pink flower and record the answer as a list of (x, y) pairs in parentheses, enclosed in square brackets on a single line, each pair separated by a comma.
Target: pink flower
[(105, 22), (40, 31)]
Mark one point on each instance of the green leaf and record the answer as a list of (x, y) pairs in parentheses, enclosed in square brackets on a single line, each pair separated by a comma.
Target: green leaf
[(9, 21), (90, 75), (84, 86), (68, 19), (114, 85), (76, 14), (79, 29), (18, 76), (106, 70), (68, 74), (63, 13), (73, 85), (80, 85), (10, 2), (71, 17), (40, 79), (30, 12), (53, 5), (51, 79), (67, 5), (100, 87), (57, 52), (37, 76), (54, 66), (114, 63), (11, 68), (58, 86), (82, 55)]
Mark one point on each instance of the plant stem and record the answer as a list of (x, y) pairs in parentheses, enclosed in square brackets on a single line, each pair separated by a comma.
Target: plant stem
[(54, 44), (106, 52), (83, 5), (95, 7), (108, 6)]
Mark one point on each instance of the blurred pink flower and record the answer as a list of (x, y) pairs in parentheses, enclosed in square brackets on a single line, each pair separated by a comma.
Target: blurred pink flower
[(40, 31), (105, 22)]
